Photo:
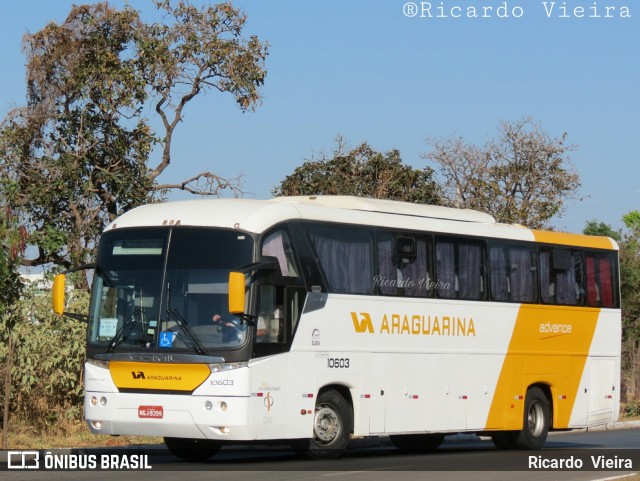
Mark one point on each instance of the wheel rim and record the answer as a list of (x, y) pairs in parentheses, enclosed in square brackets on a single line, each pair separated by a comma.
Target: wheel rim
[(535, 419), (326, 424)]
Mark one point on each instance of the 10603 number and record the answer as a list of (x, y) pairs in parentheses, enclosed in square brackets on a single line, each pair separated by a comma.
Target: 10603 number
[(338, 362)]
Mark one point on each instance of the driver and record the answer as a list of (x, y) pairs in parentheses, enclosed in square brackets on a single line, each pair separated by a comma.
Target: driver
[(230, 329)]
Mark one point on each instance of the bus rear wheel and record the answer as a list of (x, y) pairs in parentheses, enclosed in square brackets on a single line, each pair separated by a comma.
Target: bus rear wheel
[(505, 439), (417, 442), (192, 449), (536, 422), (332, 426)]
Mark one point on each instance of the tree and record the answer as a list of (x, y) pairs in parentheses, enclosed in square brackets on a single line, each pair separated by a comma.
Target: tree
[(12, 244), (78, 154), (364, 172), (523, 176), (600, 228), (630, 294)]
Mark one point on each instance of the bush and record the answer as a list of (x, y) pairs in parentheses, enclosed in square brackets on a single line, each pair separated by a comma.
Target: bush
[(48, 356), (632, 408)]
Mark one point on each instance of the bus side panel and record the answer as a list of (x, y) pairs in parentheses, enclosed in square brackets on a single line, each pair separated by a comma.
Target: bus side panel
[(549, 346), (598, 397), (415, 365), (278, 409)]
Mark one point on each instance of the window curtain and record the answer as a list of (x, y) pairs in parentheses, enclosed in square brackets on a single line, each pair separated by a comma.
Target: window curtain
[(446, 270), (274, 245), (522, 275), (498, 270), (546, 288), (346, 257), (606, 282), (469, 271)]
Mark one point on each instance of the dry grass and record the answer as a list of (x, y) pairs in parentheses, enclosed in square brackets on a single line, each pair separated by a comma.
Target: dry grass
[(68, 434), (76, 434)]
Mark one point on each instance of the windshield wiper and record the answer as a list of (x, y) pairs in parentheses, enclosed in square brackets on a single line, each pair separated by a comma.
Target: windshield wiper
[(181, 321), (126, 326)]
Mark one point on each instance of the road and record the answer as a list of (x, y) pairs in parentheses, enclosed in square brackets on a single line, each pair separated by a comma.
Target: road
[(458, 459)]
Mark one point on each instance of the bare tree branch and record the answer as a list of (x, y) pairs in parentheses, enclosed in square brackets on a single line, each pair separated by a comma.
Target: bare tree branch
[(209, 184)]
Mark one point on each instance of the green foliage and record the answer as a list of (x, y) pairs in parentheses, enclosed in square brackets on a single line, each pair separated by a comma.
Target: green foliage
[(630, 281), (48, 356), (12, 241), (77, 155), (601, 229), (632, 408), (629, 243), (632, 221), (362, 172)]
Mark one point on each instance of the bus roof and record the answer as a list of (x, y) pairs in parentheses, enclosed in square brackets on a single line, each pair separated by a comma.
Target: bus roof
[(259, 215)]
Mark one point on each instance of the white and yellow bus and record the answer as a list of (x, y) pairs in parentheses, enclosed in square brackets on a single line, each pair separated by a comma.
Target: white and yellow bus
[(319, 319)]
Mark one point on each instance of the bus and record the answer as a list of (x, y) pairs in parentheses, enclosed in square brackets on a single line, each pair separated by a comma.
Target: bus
[(316, 320)]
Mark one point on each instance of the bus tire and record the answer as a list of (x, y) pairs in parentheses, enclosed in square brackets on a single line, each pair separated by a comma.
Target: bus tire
[(192, 449), (332, 426), (536, 420), (505, 439), (422, 443)]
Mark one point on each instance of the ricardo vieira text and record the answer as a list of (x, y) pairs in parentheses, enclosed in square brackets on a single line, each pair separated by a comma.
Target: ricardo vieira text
[(548, 9)]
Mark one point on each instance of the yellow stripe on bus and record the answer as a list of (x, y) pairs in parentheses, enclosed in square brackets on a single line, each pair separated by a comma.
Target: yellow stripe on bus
[(549, 346), (577, 240), (158, 376)]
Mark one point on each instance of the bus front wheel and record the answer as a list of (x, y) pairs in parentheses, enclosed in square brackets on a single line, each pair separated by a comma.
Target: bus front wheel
[(332, 425), (193, 450)]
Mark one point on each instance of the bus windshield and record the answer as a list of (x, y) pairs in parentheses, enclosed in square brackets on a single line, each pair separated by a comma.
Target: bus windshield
[(166, 289)]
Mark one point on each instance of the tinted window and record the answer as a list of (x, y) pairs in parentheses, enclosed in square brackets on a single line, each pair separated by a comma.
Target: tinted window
[(346, 256), (404, 265), (459, 269), (512, 272)]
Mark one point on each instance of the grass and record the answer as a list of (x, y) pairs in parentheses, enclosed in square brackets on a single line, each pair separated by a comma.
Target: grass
[(76, 434), (68, 434)]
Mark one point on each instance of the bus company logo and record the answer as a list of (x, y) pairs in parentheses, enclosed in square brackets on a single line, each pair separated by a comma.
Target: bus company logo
[(415, 324), (555, 329), (154, 377), (268, 402)]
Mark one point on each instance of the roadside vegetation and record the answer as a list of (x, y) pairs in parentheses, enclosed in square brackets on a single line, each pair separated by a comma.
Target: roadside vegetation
[(82, 151)]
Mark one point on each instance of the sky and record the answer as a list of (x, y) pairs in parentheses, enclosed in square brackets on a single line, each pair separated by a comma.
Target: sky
[(394, 73)]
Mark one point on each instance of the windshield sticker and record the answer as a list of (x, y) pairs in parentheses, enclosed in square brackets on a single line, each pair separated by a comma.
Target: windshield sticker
[(108, 327), (166, 339)]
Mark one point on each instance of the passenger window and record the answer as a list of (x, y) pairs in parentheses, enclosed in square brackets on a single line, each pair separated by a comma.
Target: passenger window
[(403, 266), (600, 280), (459, 269), (346, 256), (278, 245), (561, 276), (512, 273)]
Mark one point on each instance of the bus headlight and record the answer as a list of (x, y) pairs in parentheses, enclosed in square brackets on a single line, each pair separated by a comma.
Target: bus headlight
[(226, 366)]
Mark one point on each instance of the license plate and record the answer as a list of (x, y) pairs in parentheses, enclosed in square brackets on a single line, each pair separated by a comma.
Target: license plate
[(150, 412)]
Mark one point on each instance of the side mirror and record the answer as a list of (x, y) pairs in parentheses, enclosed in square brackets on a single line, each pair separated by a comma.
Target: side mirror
[(236, 292), (59, 293), (237, 282)]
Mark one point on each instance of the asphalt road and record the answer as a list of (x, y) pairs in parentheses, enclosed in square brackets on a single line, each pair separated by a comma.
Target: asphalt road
[(459, 458)]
